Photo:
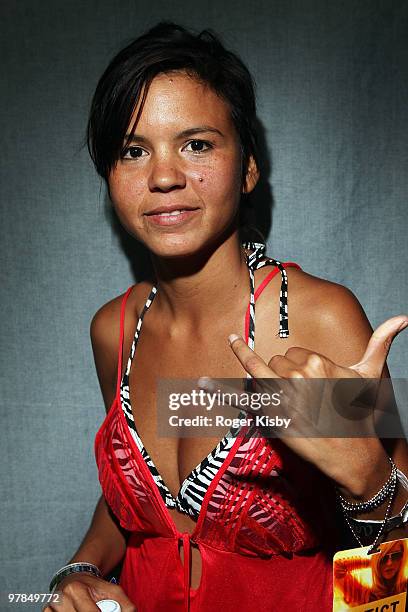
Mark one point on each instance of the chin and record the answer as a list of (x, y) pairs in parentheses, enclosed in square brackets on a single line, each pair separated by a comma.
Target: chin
[(196, 242), (389, 576), (182, 245), (174, 247)]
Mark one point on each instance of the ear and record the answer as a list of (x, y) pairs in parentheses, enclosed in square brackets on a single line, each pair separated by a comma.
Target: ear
[(251, 177)]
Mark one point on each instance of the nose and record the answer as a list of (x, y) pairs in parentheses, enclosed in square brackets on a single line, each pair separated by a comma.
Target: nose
[(166, 175)]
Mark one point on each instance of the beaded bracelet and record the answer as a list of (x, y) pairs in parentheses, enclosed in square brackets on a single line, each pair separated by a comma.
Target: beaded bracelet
[(382, 525), (71, 568), (386, 492), (377, 500), (394, 522)]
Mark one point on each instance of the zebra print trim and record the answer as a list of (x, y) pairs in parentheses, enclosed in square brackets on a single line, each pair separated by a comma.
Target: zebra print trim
[(194, 487), (258, 259)]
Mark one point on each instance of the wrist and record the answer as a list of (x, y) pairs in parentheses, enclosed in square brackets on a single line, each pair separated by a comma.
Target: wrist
[(367, 474), (75, 568), (79, 576), (102, 554)]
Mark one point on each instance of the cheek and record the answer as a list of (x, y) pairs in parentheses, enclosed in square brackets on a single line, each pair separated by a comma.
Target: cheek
[(221, 180), (125, 191)]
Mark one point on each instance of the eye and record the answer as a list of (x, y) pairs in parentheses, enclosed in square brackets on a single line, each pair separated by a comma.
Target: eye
[(133, 152), (198, 146)]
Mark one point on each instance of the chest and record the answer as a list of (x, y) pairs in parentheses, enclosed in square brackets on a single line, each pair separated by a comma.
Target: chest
[(159, 356)]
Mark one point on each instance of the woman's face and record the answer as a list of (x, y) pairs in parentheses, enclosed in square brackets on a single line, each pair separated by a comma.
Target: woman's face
[(185, 155), (390, 562)]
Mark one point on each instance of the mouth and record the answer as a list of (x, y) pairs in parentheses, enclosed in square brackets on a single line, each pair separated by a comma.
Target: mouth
[(169, 210), (172, 217), (390, 571)]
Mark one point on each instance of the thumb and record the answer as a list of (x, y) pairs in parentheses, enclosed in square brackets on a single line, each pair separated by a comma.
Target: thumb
[(372, 363)]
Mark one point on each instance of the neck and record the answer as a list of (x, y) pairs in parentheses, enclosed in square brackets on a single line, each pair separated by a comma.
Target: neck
[(194, 291)]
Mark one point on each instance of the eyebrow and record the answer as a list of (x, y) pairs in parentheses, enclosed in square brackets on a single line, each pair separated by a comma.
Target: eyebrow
[(184, 134)]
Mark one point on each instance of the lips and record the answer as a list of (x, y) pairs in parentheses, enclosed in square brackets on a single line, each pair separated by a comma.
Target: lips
[(172, 216), (173, 213), (173, 209)]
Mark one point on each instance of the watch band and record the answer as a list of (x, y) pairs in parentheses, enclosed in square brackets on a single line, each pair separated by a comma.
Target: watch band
[(72, 568)]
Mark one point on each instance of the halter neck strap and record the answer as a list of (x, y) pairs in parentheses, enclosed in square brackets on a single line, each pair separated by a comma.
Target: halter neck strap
[(257, 258)]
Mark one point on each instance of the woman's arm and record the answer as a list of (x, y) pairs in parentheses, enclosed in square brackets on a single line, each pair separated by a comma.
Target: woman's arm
[(342, 566), (343, 334), (353, 591), (104, 544), (337, 343), (105, 541)]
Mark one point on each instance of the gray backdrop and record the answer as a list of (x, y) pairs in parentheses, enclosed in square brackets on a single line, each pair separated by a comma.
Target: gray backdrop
[(332, 93)]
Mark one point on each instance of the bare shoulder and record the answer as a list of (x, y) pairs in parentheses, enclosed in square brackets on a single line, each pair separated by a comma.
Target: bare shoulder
[(104, 327), (105, 324), (332, 320), (105, 335), (326, 299)]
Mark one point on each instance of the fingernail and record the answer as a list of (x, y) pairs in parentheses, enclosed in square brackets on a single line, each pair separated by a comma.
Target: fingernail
[(205, 383), (232, 338), (403, 326)]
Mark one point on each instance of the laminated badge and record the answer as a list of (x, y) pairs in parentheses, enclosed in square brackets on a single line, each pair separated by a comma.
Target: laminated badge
[(371, 582)]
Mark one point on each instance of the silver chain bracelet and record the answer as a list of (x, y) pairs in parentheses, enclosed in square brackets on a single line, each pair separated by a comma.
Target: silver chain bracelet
[(370, 526), (383, 522), (387, 491), (377, 500)]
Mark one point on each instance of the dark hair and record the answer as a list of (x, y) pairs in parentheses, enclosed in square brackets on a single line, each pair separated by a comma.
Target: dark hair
[(164, 48)]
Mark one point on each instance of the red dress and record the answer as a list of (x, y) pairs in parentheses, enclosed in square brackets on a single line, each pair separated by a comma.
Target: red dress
[(264, 531)]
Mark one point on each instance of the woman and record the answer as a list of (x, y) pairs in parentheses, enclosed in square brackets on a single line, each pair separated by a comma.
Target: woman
[(172, 132), (388, 578)]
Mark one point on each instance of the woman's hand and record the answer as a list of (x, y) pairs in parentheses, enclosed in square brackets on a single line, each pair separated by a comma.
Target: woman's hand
[(80, 592), (367, 465), (302, 363)]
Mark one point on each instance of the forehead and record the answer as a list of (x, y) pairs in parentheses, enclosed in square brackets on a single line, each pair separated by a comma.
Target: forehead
[(395, 547), (176, 99)]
